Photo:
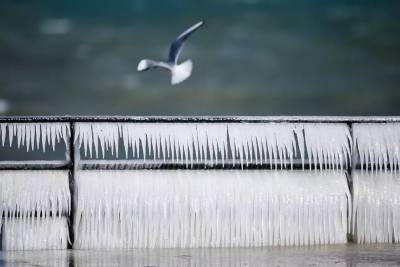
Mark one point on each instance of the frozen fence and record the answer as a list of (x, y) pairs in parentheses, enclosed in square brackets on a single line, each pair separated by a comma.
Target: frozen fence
[(34, 205), (276, 144), (376, 207), (220, 208), (305, 198), (35, 233)]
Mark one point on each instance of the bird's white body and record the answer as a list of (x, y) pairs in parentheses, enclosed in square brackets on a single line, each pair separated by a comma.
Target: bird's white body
[(179, 72)]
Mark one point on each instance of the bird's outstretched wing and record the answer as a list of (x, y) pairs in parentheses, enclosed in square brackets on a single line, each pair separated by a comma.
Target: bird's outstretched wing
[(176, 46)]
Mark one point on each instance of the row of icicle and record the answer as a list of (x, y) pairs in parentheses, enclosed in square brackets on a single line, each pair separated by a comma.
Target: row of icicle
[(278, 144), (34, 207), (34, 136), (193, 208), (325, 145)]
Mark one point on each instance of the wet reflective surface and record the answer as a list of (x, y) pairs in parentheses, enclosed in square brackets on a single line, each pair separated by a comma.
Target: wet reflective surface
[(343, 255)]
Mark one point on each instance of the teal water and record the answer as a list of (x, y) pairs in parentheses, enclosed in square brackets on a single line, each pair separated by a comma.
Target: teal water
[(252, 58)]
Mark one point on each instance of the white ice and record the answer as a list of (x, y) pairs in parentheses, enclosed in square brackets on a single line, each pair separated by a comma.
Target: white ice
[(325, 145), (34, 136), (180, 142), (378, 145), (40, 193), (376, 207), (35, 233), (219, 208)]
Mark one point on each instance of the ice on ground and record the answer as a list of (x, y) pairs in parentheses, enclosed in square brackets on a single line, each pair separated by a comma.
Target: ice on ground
[(34, 233), (218, 208)]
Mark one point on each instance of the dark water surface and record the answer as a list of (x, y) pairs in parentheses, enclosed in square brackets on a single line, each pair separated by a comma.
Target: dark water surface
[(252, 58)]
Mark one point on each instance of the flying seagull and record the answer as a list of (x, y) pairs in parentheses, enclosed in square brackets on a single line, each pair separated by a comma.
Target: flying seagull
[(179, 72)]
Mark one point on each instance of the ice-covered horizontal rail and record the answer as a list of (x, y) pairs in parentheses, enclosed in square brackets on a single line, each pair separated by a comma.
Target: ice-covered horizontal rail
[(68, 122), (322, 119), (98, 164), (271, 144), (34, 135), (36, 165)]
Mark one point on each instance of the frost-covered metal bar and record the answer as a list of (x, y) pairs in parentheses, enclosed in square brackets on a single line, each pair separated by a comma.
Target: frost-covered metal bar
[(149, 165), (317, 119), (269, 145), (36, 165)]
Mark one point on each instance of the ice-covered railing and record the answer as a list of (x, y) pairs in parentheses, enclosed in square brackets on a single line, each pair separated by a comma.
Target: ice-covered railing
[(34, 136), (210, 208), (179, 142), (34, 208), (376, 207), (276, 144), (378, 145), (34, 193), (351, 144), (35, 233)]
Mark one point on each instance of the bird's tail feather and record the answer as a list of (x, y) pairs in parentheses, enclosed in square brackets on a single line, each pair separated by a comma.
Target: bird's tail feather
[(181, 72)]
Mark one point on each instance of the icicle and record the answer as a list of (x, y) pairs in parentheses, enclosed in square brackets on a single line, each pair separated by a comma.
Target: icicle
[(276, 138), (376, 209), (188, 208), (34, 234), (26, 191), (31, 134), (323, 139), (175, 140), (378, 145), (3, 129)]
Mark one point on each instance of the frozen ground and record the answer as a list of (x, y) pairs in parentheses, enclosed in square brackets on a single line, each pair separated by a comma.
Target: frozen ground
[(343, 255)]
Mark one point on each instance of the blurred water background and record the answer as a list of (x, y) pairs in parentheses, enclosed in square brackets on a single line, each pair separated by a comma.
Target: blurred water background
[(253, 57)]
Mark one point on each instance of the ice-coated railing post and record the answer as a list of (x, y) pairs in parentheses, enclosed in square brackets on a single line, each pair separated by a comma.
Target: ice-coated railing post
[(350, 166), (72, 166)]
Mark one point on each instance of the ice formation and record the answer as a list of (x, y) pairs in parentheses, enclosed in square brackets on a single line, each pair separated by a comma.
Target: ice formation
[(218, 208), (267, 142), (33, 205), (34, 193), (325, 145), (180, 142), (35, 233), (378, 145), (34, 135), (376, 207)]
